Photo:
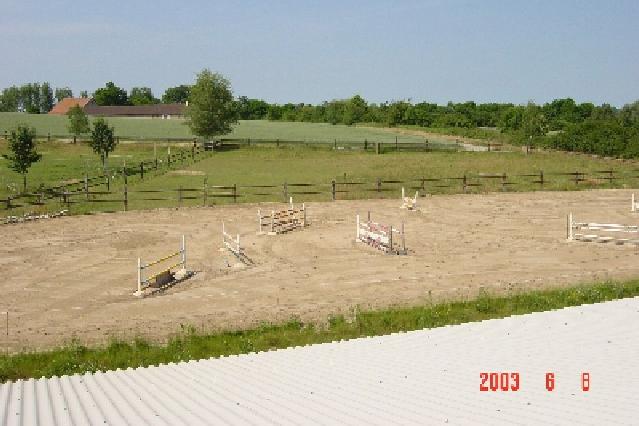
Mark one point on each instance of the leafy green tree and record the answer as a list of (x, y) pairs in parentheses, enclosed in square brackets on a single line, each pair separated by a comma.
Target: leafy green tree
[(46, 98), (534, 124), (78, 121), (23, 151), (30, 97), (176, 95), (354, 110), (211, 109), (63, 92), (10, 99), (111, 95), (142, 96), (103, 140)]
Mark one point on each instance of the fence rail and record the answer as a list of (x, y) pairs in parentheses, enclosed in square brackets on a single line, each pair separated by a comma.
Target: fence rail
[(83, 197)]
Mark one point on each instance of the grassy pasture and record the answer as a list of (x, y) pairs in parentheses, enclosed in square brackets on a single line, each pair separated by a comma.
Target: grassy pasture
[(153, 128), (268, 165)]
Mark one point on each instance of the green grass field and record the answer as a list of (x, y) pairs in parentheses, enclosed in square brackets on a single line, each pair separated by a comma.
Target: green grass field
[(268, 165), (147, 128), (74, 358)]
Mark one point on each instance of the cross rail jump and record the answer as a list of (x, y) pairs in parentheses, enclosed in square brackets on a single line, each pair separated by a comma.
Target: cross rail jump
[(381, 236)]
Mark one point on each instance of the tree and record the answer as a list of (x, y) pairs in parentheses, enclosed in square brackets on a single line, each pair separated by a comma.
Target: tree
[(176, 95), (23, 148), (142, 96), (10, 99), (84, 94), (103, 140), (78, 121), (211, 109), (111, 95), (354, 110), (63, 92), (30, 97), (534, 122), (46, 98)]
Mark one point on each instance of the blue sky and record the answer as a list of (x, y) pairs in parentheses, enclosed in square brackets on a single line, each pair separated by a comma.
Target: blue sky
[(310, 51)]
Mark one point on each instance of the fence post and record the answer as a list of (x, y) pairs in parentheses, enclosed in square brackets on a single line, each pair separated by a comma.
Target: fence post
[(181, 157), (396, 145), (180, 196), (464, 183), (48, 136), (8, 202), (86, 185), (390, 240), (333, 189), (335, 144), (379, 186), (205, 189), (285, 190), (541, 178), (488, 146), (248, 141), (141, 170), (503, 182), (576, 178), (378, 147), (277, 143), (235, 192), (423, 185), (168, 161), (365, 144), (193, 153), (74, 139)]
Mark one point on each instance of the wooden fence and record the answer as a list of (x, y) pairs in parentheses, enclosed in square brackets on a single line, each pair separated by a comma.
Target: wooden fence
[(84, 194)]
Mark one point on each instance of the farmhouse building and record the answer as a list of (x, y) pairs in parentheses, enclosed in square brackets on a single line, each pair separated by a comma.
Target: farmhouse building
[(89, 106)]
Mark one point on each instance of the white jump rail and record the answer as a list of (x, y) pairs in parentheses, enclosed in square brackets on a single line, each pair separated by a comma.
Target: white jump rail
[(408, 202), (144, 282), (280, 221), (634, 205), (381, 236), (574, 232), (31, 217)]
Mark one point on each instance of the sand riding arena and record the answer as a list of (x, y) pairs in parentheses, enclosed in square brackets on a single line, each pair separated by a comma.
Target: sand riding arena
[(75, 277)]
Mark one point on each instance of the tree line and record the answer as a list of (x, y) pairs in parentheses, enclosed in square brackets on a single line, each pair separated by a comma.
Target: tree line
[(561, 124), (39, 98)]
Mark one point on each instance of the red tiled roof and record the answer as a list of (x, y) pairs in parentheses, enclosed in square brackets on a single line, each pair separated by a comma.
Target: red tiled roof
[(65, 104)]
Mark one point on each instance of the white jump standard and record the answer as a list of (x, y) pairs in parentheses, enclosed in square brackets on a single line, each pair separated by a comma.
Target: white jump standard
[(381, 236), (280, 221), (409, 203), (232, 244), (634, 205), (164, 276), (613, 228)]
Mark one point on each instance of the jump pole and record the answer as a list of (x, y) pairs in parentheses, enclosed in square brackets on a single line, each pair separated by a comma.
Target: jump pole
[(139, 277), (183, 252)]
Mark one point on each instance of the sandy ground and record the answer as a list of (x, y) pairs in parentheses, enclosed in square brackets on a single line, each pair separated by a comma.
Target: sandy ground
[(74, 277)]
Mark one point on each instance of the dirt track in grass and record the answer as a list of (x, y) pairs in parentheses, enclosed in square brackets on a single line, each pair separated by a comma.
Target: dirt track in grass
[(74, 277)]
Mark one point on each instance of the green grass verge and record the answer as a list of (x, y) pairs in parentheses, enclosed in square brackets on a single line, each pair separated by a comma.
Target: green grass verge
[(190, 345)]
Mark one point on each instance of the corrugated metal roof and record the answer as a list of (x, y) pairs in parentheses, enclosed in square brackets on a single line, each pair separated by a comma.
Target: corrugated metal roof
[(422, 377)]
